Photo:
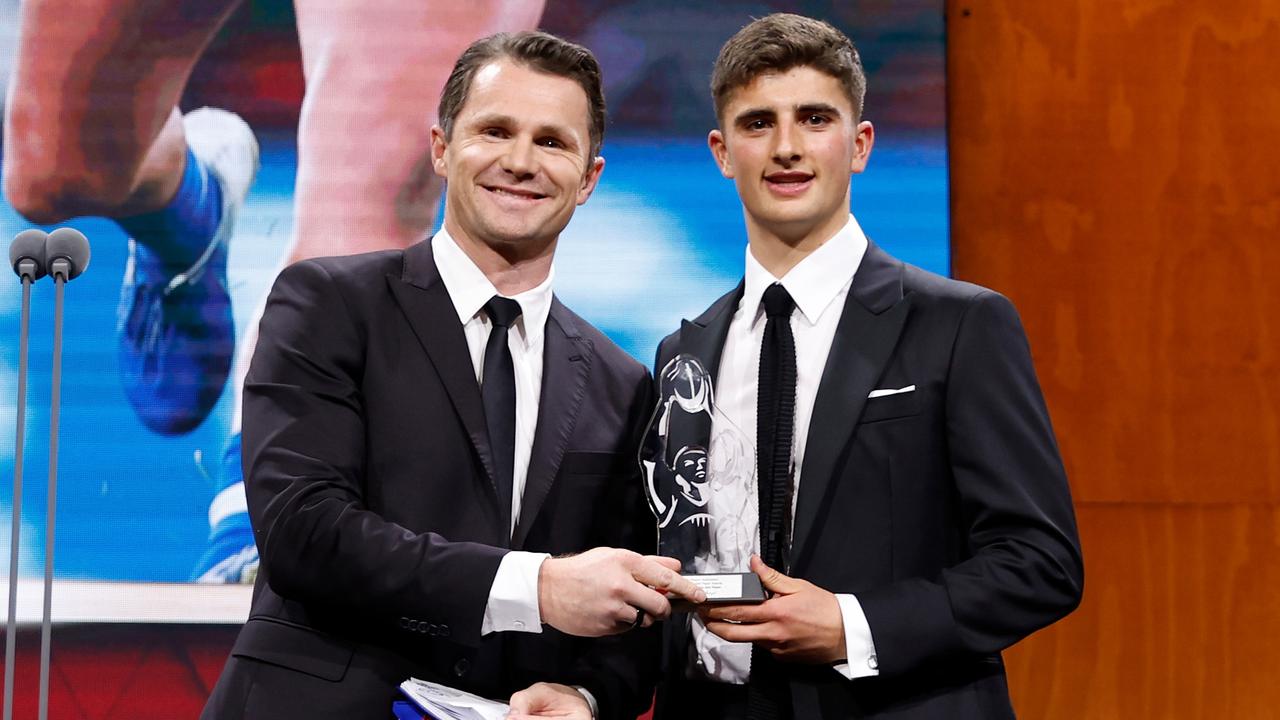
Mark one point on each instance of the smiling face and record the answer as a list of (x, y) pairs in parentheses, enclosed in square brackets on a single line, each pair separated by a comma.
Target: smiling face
[(517, 160), (790, 140)]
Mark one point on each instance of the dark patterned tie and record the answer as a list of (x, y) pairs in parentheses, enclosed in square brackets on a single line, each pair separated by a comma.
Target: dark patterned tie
[(498, 391), (767, 692)]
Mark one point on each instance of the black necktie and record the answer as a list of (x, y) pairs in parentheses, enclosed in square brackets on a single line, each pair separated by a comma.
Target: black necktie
[(498, 391), (775, 426), (767, 692)]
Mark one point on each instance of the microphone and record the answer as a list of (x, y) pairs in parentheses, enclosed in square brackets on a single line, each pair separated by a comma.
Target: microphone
[(67, 253), (27, 256)]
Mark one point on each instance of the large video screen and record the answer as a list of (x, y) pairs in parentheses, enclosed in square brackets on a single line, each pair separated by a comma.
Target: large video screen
[(660, 239)]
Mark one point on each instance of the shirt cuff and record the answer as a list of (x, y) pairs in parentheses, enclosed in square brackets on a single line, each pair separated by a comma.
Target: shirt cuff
[(513, 598), (591, 701), (860, 649)]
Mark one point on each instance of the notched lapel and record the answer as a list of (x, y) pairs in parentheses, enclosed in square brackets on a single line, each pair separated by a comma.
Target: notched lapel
[(566, 364), (704, 337), (430, 312), (870, 325)]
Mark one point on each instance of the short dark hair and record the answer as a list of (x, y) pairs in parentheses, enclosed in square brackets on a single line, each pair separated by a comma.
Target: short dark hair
[(779, 42), (536, 50)]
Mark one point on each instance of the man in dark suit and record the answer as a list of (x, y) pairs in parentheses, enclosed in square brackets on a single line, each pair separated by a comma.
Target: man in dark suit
[(914, 516), (424, 429)]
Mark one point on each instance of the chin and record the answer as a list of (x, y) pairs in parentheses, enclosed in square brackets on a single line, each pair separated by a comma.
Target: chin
[(522, 243), (510, 234), (799, 220), (787, 224)]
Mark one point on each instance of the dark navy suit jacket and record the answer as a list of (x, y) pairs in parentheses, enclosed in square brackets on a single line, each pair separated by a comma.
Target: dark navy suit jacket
[(945, 510)]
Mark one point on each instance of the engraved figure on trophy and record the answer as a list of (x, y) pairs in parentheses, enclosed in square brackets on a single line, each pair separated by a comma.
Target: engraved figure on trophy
[(701, 489)]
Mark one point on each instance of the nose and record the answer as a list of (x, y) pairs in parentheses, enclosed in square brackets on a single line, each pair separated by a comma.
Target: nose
[(520, 159), (787, 144)]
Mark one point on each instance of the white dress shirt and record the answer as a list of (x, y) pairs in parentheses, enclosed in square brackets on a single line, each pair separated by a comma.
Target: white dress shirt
[(819, 285), (513, 598)]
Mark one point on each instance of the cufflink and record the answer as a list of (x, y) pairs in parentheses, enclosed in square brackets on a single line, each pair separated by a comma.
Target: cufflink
[(873, 663)]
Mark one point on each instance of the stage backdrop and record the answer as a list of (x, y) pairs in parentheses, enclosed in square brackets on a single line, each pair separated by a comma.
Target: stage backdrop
[(660, 239)]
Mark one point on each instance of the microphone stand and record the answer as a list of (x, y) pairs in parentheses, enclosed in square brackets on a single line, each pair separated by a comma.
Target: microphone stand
[(60, 282), (10, 638), (27, 255), (68, 256)]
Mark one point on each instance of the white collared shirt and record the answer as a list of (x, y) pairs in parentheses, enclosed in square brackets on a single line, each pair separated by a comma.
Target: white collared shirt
[(819, 285), (470, 290), (513, 598)]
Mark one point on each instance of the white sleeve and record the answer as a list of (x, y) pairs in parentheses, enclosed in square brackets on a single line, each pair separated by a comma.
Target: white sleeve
[(513, 599), (860, 649)]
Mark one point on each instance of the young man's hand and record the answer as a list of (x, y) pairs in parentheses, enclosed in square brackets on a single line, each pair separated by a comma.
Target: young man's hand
[(800, 623)]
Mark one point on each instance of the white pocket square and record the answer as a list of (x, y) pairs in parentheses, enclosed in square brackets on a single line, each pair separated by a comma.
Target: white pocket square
[(890, 391)]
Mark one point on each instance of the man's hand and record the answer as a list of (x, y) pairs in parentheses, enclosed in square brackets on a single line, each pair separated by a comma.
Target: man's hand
[(600, 591), (549, 700), (800, 623)]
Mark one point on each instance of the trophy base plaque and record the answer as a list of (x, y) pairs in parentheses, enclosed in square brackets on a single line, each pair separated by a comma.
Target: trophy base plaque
[(724, 589)]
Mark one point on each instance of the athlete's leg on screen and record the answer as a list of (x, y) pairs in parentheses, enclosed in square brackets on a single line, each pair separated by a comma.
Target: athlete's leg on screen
[(374, 72), (92, 128)]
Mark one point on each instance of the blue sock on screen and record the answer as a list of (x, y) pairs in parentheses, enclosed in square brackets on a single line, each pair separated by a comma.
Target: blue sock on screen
[(179, 232), (234, 527), (231, 537)]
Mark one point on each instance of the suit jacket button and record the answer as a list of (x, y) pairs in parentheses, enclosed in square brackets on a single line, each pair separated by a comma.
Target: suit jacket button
[(404, 623), (461, 667), (444, 631)]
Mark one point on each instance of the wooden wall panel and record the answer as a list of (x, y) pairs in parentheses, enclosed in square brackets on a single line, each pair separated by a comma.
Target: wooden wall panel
[(1116, 172), (1178, 621)]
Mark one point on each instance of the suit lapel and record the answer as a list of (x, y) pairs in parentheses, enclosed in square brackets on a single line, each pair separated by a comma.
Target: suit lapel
[(704, 337), (868, 331), (430, 312), (566, 363)]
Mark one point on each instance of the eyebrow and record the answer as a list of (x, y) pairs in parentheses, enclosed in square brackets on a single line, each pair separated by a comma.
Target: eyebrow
[(824, 108), (492, 119), (754, 114)]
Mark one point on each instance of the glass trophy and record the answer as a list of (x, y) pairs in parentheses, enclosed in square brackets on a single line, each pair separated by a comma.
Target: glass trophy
[(700, 480)]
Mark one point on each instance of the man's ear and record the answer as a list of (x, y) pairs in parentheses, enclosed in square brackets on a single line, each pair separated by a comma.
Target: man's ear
[(591, 179), (863, 141), (720, 151), (439, 143)]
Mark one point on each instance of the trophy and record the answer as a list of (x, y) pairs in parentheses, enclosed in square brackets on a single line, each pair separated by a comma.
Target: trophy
[(700, 480)]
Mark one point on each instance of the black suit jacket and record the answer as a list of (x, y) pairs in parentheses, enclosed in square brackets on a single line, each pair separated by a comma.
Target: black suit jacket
[(945, 510), (370, 487)]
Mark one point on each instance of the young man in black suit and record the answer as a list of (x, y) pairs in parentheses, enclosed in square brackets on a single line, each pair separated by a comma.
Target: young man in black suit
[(914, 516), (425, 428)]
